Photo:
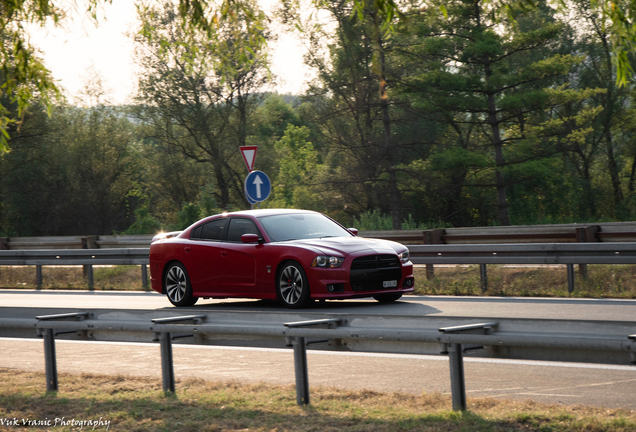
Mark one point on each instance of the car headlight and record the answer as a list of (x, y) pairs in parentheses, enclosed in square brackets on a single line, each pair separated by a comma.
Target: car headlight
[(404, 256), (327, 261)]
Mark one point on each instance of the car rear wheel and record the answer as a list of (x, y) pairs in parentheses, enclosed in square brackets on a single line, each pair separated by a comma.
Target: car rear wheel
[(293, 288), (178, 286), (387, 298)]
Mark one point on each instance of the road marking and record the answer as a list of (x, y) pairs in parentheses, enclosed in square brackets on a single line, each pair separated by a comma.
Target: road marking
[(353, 354)]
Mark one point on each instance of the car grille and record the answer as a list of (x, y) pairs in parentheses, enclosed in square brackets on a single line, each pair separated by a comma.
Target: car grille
[(369, 272)]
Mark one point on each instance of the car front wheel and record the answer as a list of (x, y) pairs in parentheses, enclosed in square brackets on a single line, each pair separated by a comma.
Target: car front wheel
[(178, 286), (293, 287)]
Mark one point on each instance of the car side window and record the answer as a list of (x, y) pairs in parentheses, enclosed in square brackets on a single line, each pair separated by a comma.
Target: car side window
[(196, 233), (210, 231), (241, 226)]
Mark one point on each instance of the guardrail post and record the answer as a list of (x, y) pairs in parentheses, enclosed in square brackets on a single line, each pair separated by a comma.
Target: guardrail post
[(89, 242), (50, 363), (89, 276), (455, 353), (167, 365), (38, 276), (570, 278), (458, 383), (165, 341), (483, 277), (3, 246), (300, 368), (144, 276), (432, 237), (581, 236), (300, 354), (3, 243)]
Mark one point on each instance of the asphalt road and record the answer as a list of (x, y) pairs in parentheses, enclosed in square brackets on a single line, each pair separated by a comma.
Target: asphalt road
[(565, 383), (486, 307)]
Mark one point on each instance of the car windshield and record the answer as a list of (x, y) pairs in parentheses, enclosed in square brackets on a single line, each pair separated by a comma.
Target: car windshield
[(301, 226)]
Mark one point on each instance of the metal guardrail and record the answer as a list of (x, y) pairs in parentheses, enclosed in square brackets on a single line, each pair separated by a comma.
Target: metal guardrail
[(137, 256), (529, 253), (454, 340), (568, 254), (557, 233), (75, 242), (85, 257)]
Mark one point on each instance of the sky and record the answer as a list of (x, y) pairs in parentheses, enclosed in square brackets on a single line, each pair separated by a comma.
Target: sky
[(72, 51)]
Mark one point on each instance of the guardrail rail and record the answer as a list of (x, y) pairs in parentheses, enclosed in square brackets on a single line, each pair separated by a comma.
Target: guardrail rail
[(567, 254), (455, 340)]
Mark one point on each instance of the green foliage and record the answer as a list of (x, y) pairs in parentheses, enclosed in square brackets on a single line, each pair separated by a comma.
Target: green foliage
[(375, 221), (198, 92), (144, 223), (432, 113), (189, 214), (24, 79), (298, 162)]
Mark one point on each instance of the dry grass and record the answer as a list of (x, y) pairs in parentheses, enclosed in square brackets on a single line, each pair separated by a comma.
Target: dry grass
[(117, 278), (138, 404), (603, 281)]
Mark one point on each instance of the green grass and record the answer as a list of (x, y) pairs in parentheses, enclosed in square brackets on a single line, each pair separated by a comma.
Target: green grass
[(138, 404)]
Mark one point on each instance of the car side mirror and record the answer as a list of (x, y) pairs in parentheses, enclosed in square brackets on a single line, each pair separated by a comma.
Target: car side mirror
[(353, 231), (249, 238)]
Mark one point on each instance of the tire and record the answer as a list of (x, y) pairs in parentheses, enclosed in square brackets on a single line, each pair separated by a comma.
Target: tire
[(292, 286), (387, 298), (178, 287)]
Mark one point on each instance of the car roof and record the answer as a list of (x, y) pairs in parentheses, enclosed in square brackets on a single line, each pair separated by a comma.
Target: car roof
[(266, 212)]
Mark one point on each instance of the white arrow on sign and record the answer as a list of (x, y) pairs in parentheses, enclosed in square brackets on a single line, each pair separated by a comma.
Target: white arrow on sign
[(258, 182)]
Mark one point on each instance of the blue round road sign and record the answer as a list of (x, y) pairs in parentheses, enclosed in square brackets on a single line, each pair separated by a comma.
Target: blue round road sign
[(257, 186)]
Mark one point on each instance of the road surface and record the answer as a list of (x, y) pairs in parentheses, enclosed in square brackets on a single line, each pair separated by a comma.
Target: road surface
[(566, 383)]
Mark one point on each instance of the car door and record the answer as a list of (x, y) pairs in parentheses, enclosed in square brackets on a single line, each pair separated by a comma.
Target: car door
[(239, 260), (202, 256)]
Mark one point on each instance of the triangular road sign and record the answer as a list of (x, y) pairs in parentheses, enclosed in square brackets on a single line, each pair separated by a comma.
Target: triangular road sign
[(249, 156)]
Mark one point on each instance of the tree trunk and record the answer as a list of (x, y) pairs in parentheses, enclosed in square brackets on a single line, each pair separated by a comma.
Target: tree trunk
[(607, 126), (386, 120), (502, 201)]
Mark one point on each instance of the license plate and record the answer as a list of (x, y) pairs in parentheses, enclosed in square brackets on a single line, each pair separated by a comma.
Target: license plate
[(389, 284)]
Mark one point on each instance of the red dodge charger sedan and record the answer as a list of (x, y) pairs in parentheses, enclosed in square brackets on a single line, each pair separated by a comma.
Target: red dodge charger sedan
[(294, 256)]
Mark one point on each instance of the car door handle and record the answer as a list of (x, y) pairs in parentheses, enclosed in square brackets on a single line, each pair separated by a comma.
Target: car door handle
[(188, 249), (223, 253)]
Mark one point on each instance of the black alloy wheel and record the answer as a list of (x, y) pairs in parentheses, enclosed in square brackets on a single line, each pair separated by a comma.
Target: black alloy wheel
[(293, 288)]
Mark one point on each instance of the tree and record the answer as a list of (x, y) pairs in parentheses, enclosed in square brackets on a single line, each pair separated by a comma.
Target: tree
[(24, 80), (601, 70), (486, 78), (351, 110), (299, 167), (74, 173), (199, 90)]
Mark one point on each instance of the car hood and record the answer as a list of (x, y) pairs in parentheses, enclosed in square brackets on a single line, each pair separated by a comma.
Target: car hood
[(349, 245)]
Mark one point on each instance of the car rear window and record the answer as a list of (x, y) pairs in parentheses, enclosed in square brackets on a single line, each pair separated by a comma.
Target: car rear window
[(210, 231)]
